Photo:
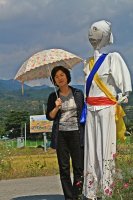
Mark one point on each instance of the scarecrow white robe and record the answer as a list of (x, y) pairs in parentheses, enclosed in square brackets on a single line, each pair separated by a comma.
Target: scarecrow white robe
[(100, 129)]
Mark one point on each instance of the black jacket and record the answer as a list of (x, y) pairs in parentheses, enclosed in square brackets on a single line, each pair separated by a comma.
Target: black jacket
[(79, 100)]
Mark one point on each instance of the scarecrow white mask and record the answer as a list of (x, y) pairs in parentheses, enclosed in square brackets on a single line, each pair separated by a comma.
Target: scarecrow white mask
[(100, 34)]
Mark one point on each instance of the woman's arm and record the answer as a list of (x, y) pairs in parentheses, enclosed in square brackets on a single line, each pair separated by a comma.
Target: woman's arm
[(58, 104), (53, 106)]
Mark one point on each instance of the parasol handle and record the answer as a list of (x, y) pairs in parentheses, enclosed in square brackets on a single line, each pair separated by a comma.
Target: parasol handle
[(22, 85), (53, 83), (54, 87)]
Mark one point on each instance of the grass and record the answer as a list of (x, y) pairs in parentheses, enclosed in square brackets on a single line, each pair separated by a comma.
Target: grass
[(31, 161)]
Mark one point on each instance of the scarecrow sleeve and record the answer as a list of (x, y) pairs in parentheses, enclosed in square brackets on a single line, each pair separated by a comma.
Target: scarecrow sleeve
[(120, 73)]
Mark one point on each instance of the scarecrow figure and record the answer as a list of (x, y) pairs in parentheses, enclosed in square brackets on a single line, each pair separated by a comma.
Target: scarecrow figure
[(104, 122)]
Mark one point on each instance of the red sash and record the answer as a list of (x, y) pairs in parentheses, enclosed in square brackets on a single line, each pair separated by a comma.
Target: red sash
[(99, 101)]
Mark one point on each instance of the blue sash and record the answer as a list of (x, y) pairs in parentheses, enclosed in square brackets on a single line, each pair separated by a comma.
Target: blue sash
[(93, 72), (88, 85)]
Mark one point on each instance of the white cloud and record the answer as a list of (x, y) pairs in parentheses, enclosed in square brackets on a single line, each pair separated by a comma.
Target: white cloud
[(81, 9), (28, 26), (9, 9), (3, 2)]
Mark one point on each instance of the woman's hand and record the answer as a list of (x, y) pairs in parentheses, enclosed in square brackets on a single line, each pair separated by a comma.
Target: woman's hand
[(58, 103)]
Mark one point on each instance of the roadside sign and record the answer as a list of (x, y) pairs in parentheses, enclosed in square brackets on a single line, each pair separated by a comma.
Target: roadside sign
[(39, 124)]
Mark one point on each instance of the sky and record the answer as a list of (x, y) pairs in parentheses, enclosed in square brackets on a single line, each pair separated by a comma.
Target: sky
[(29, 26)]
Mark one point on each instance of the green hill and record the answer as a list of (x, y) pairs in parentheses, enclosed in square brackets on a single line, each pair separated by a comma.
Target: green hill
[(11, 97)]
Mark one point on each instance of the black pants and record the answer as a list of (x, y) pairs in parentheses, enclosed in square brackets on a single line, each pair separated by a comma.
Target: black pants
[(68, 146)]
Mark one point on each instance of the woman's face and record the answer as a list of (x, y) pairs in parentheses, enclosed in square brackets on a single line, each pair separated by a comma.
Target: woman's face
[(60, 78)]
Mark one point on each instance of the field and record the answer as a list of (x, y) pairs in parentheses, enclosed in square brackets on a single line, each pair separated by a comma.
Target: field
[(26, 162), (32, 161)]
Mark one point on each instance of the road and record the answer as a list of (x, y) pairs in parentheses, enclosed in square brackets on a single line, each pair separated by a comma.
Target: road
[(35, 188)]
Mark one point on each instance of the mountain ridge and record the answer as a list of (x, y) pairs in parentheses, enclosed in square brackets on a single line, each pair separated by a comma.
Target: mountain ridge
[(14, 85)]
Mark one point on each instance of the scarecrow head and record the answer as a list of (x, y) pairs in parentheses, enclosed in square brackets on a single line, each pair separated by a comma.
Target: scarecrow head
[(100, 34)]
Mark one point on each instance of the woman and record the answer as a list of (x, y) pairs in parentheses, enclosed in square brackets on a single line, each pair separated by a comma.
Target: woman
[(67, 134)]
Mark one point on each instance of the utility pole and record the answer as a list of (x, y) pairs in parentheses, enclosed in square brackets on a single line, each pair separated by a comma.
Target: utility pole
[(45, 141), (44, 109), (25, 134)]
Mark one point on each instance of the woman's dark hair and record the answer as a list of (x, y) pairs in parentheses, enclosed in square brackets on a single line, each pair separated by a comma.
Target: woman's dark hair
[(64, 70)]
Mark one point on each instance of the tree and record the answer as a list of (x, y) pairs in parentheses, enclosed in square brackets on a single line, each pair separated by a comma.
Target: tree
[(14, 122), (2, 129)]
